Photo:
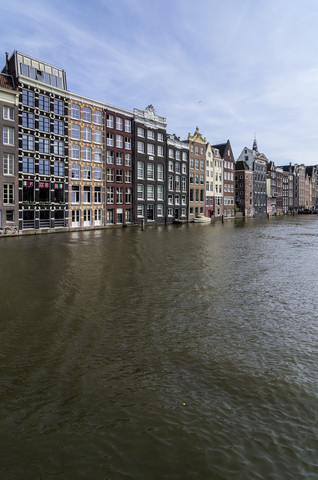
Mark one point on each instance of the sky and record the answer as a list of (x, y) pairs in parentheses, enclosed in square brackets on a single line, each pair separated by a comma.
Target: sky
[(234, 68)]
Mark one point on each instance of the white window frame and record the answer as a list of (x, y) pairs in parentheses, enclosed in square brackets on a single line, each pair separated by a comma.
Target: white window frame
[(97, 117), (8, 113), (150, 149), (8, 164), (8, 136), (87, 134), (140, 147), (87, 114)]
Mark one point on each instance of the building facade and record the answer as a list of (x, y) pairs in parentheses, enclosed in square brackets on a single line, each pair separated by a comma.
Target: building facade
[(257, 162), (43, 143), (271, 189), (86, 163), (244, 189), (197, 146), (279, 190), (288, 188), (299, 191), (119, 167), (9, 166), (311, 172), (177, 186), (214, 182), (150, 172), (226, 153)]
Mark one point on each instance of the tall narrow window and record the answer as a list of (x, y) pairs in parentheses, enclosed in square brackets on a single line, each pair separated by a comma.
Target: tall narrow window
[(28, 142), (44, 103), (75, 111), (87, 114), (58, 107), (97, 117), (8, 113), (28, 98), (140, 170), (8, 136), (8, 193), (127, 126), (27, 119), (8, 164), (110, 121), (119, 123)]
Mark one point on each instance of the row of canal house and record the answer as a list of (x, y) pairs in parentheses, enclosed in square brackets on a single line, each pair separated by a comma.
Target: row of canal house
[(73, 162), (291, 188), (261, 187)]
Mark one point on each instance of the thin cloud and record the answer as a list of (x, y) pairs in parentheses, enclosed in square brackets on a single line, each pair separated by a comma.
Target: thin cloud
[(231, 68)]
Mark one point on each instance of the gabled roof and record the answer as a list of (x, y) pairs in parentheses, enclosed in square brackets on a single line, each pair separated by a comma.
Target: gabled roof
[(286, 168), (221, 147), (6, 81), (309, 169), (241, 165)]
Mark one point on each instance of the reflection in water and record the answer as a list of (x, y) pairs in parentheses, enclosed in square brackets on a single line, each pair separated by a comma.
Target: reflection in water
[(174, 352)]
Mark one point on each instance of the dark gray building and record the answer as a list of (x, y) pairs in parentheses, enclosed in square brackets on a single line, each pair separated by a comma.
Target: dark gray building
[(177, 186), (288, 188), (149, 166), (257, 162), (43, 142)]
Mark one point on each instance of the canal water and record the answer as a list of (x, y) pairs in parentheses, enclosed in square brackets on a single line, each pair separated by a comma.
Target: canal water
[(177, 352)]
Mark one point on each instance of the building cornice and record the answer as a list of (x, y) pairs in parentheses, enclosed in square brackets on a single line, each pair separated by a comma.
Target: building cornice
[(96, 103), (150, 118), (27, 81), (8, 95), (176, 142)]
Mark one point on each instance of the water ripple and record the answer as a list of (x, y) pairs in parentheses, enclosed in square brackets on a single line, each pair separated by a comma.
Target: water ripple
[(171, 353)]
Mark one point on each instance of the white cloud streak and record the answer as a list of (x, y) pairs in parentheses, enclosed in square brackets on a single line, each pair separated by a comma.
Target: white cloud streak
[(232, 68)]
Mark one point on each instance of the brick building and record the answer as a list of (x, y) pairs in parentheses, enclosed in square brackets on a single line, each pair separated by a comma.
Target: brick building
[(9, 166), (197, 145)]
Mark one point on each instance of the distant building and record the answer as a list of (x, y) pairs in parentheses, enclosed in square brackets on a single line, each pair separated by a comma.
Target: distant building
[(299, 187), (214, 182), (226, 153), (244, 189), (311, 172), (197, 145), (288, 188), (271, 188), (300, 174), (279, 190), (274, 189), (178, 179), (257, 162)]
